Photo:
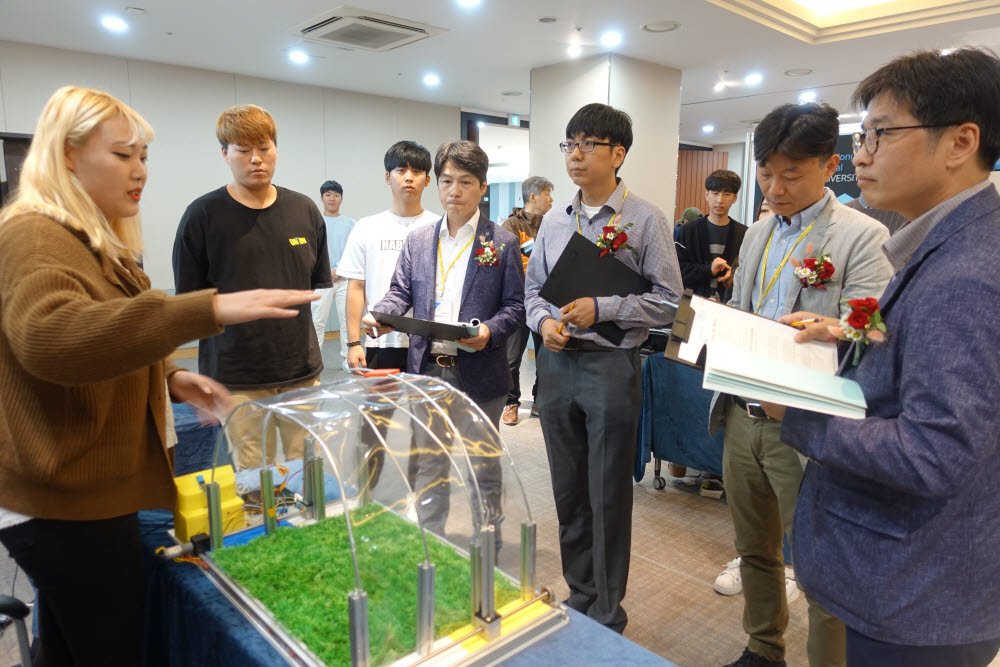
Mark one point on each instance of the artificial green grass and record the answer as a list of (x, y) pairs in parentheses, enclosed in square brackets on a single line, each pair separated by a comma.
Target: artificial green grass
[(303, 576)]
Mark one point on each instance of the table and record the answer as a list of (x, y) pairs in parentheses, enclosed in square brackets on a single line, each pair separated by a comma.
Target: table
[(673, 421), (189, 622)]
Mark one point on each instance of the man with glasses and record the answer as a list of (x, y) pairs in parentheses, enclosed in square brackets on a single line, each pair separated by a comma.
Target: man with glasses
[(794, 149), (589, 390), (898, 524)]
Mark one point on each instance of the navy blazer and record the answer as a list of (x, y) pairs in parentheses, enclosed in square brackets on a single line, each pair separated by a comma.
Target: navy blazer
[(494, 295), (897, 528)]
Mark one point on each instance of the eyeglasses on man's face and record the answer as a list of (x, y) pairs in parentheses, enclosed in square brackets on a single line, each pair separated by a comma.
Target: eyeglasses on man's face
[(869, 138), (584, 146)]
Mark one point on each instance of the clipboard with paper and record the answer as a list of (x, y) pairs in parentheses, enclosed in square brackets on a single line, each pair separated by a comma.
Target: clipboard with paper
[(757, 358), (580, 272), (428, 328)]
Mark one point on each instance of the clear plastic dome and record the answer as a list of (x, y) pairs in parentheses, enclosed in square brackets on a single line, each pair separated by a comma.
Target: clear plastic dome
[(392, 522)]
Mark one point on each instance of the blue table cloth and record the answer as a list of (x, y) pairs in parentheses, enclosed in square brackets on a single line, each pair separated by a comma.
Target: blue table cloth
[(189, 622), (195, 441), (673, 421)]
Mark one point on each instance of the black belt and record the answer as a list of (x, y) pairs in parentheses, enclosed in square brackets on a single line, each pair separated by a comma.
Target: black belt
[(444, 360), (754, 410), (581, 345)]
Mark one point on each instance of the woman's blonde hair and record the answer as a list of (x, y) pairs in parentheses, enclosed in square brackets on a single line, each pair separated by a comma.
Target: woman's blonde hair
[(47, 186)]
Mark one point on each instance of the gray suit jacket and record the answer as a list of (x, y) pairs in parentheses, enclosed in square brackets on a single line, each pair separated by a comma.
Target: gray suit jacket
[(853, 241)]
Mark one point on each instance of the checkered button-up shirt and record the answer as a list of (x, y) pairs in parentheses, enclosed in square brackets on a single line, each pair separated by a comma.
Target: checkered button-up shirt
[(651, 234)]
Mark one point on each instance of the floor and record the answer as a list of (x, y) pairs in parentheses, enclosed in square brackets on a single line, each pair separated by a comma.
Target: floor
[(680, 542)]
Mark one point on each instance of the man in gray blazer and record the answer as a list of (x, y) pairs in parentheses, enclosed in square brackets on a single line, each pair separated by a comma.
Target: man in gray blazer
[(794, 150)]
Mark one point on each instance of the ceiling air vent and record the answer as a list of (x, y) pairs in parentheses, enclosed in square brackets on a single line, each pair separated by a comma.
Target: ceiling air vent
[(352, 28)]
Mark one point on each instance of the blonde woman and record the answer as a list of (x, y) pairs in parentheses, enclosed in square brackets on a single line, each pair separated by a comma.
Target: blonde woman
[(83, 381)]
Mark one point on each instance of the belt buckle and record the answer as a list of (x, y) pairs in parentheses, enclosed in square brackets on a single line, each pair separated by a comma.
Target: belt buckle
[(752, 411), (438, 360)]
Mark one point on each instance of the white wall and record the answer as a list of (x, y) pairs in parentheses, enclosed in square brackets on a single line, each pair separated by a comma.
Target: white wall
[(322, 133), (649, 93), (736, 164)]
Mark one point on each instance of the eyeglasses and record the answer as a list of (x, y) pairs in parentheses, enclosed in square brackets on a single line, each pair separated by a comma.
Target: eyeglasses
[(871, 136), (584, 146)]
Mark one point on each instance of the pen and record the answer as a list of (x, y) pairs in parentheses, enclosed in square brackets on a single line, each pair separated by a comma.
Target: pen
[(562, 324), (804, 322)]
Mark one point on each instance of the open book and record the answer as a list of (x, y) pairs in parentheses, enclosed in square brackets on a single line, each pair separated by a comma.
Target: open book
[(757, 358)]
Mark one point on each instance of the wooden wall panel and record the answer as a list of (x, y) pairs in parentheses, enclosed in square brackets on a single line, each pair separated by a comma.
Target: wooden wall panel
[(692, 168)]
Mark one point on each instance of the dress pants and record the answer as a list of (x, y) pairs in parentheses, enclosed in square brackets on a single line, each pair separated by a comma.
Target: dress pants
[(321, 312), (431, 469), (863, 651), (589, 408), (762, 477), (91, 592), (517, 343)]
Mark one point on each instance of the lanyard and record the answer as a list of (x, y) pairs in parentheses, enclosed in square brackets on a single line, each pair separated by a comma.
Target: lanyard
[(579, 229), (777, 272), (445, 272)]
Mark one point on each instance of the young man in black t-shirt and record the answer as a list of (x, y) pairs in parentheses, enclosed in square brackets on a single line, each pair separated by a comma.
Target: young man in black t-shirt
[(707, 247), (252, 234)]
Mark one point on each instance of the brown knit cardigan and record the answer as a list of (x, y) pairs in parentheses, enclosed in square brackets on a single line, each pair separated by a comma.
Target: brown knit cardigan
[(82, 375)]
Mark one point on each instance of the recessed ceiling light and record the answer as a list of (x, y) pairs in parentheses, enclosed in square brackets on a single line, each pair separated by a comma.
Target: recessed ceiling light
[(574, 50), (431, 79), (547, 19), (481, 124), (512, 93), (468, 3), (753, 79), (661, 26), (719, 87), (114, 24), (707, 129), (798, 71), (611, 39), (298, 57), (806, 97)]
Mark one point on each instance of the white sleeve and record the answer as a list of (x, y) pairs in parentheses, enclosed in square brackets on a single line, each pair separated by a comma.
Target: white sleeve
[(352, 262)]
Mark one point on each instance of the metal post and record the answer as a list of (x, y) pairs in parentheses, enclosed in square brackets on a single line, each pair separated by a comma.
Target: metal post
[(267, 504), (357, 609), (475, 572), (425, 608), (487, 608), (318, 509), (308, 493), (214, 499), (528, 531)]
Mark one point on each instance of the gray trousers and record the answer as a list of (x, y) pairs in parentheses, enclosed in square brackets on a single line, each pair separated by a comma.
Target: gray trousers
[(431, 469), (589, 409)]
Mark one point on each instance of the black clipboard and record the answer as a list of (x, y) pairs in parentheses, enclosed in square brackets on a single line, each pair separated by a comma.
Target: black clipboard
[(680, 331), (580, 272), (427, 328)]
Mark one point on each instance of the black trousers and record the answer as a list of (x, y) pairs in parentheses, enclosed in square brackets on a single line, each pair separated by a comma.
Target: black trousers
[(380, 357), (91, 591), (589, 407), (863, 651), (516, 344)]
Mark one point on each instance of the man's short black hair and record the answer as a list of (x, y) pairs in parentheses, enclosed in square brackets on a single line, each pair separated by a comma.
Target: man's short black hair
[(331, 185), (601, 121), (466, 155), (797, 131), (944, 88), (407, 154), (723, 180)]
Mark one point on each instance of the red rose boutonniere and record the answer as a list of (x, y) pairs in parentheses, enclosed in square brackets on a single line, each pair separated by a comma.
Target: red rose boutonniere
[(613, 237), (863, 325), (487, 254), (815, 271)]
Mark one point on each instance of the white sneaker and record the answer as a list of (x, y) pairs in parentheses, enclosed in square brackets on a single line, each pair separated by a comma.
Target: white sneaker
[(791, 588), (729, 581)]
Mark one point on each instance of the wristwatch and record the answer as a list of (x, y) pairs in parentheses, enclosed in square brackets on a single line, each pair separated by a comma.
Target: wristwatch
[(353, 343)]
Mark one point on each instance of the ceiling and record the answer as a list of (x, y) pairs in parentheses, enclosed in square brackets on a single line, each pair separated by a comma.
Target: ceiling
[(492, 48)]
